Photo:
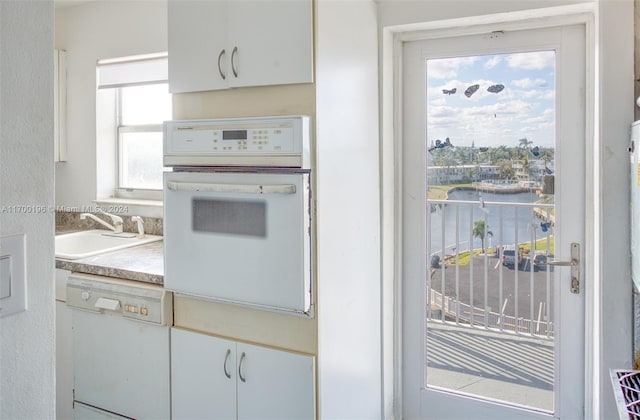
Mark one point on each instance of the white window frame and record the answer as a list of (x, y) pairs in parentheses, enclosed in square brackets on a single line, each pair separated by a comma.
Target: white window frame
[(145, 70), (127, 192)]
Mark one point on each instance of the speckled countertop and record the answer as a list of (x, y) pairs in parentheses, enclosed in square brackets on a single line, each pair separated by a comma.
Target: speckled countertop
[(141, 263)]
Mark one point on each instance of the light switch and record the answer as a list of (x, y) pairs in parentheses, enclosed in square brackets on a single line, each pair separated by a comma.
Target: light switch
[(13, 278), (5, 276)]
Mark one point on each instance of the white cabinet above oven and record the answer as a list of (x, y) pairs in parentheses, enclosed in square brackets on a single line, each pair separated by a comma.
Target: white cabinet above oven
[(221, 44)]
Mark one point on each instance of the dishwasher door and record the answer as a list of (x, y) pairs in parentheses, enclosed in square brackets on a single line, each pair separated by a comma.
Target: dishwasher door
[(121, 365)]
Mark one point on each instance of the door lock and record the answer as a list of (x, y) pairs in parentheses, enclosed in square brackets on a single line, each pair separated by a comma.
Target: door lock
[(574, 263)]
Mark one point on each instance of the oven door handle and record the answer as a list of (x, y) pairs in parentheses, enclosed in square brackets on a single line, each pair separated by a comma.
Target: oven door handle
[(231, 188)]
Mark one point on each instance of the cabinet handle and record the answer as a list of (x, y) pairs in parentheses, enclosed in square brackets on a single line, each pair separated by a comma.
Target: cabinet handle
[(224, 77), (226, 358), (242, 378), (233, 61)]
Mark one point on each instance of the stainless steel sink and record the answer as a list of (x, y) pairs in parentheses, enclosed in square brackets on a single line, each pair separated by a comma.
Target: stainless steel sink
[(87, 243)]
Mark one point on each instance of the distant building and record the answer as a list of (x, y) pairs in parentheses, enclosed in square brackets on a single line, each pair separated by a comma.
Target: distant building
[(459, 174), (535, 171)]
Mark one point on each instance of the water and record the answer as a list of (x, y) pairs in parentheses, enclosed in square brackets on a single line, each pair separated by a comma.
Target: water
[(518, 224)]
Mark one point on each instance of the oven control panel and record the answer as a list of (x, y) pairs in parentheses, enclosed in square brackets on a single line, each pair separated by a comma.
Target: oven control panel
[(248, 140), (264, 141)]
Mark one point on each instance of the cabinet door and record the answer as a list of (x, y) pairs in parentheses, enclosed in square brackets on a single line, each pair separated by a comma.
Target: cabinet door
[(197, 40), (274, 41), (203, 376), (274, 384)]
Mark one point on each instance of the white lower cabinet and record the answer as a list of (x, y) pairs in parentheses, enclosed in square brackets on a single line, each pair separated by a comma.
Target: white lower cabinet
[(223, 379)]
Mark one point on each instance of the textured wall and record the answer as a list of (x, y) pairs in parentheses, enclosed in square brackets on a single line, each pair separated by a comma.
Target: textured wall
[(27, 373)]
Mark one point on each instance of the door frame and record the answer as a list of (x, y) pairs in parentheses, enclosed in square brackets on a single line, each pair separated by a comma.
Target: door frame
[(392, 42)]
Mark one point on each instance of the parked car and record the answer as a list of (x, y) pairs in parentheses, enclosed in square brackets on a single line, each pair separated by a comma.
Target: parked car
[(511, 257), (435, 261), (540, 262)]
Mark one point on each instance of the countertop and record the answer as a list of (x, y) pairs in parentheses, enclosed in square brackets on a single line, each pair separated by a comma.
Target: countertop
[(143, 263)]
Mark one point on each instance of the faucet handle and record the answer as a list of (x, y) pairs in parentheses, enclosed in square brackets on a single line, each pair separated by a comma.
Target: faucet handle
[(117, 220), (140, 223)]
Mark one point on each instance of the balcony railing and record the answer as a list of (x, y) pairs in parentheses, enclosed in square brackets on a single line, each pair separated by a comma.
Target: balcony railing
[(472, 282)]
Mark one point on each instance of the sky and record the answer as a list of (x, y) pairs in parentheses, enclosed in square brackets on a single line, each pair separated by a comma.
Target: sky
[(525, 108)]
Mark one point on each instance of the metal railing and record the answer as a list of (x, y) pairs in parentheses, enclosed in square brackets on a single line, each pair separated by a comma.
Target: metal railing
[(473, 282)]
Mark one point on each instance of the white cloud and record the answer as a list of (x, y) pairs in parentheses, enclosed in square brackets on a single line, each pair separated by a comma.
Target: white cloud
[(534, 120), (528, 83), (437, 102), (447, 68), (490, 124), (548, 95), (544, 95), (531, 60), (494, 61)]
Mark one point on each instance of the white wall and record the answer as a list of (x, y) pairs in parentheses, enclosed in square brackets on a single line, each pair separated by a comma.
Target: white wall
[(89, 32), (348, 222), (27, 376), (611, 288), (616, 110)]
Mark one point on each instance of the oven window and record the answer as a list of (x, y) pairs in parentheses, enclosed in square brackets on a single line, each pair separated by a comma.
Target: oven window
[(247, 218)]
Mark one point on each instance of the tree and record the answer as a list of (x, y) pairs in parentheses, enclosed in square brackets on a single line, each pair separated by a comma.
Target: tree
[(524, 143), (523, 146), (481, 231), (526, 167), (507, 171)]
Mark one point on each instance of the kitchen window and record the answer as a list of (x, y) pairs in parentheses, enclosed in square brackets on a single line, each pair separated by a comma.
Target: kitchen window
[(135, 100)]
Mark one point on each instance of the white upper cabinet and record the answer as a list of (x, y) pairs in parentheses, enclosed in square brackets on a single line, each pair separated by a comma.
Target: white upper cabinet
[(197, 37), (223, 44), (272, 41)]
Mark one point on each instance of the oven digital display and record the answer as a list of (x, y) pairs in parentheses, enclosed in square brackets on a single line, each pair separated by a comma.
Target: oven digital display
[(234, 135)]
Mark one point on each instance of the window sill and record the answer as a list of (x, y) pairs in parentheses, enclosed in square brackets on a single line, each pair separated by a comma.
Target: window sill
[(131, 206)]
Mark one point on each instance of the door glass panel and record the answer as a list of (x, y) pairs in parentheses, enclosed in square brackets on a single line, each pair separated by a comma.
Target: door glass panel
[(234, 217), (490, 133)]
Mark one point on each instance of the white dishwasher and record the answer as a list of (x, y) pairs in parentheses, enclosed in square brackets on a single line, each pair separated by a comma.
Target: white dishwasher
[(121, 346)]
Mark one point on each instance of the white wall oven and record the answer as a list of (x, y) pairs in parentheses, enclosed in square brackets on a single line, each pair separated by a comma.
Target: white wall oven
[(237, 211)]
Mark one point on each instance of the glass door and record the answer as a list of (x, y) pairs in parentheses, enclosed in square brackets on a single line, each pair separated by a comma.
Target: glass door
[(493, 199)]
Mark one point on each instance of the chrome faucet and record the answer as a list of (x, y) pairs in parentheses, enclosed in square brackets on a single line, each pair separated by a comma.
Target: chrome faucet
[(117, 221), (140, 223)]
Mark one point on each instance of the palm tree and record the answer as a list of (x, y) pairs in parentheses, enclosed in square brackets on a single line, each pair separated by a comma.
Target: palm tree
[(480, 231), (523, 144)]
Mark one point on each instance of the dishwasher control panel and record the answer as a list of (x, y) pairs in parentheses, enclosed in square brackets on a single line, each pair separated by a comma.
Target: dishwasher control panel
[(130, 299)]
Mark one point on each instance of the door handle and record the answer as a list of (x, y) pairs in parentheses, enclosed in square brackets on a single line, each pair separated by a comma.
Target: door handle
[(231, 188), (574, 263), (110, 304), (242, 357), (224, 77), (233, 61), (226, 358)]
